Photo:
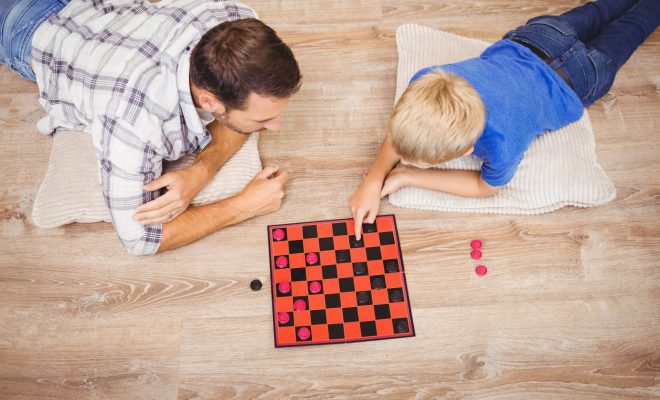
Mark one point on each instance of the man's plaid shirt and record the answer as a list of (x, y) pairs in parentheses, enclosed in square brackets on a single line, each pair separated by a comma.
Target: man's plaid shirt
[(119, 69)]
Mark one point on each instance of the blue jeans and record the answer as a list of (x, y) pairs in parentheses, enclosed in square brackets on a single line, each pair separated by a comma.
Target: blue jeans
[(19, 19), (591, 42)]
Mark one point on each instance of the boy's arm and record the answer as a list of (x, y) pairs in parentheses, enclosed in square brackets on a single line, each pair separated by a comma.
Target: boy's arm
[(459, 182), (183, 185), (365, 201), (263, 195)]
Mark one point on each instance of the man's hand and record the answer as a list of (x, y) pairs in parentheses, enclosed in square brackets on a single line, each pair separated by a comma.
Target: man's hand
[(264, 193), (182, 187), (364, 204)]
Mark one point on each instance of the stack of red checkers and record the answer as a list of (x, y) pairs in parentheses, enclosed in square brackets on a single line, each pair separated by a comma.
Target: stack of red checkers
[(476, 254)]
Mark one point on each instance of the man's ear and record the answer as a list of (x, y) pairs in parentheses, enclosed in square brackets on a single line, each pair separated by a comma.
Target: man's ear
[(209, 102), (469, 151)]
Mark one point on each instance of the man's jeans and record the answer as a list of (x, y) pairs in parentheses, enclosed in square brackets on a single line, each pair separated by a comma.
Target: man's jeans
[(19, 19), (591, 42)]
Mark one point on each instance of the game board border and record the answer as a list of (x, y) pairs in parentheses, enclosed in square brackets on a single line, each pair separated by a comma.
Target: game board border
[(273, 296)]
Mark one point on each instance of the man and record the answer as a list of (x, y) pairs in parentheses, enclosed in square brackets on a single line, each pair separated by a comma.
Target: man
[(155, 82)]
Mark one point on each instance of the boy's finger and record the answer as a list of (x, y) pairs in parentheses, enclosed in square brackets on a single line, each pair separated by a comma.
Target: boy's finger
[(371, 217), (283, 177), (358, 224), (268, 171)]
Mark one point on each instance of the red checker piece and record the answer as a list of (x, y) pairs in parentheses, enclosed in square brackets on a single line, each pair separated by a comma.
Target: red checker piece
[(284, 287), (281, 262), (315, 287), (304, 333), (476, 254), (283, 318), (481, 270), (299, 305), (278, 234), (476, 244), (312, 258)]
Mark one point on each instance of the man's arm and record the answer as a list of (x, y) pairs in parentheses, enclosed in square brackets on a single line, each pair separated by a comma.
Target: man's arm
[(262, 195), (365, 202), (183, 185), (459, 182)]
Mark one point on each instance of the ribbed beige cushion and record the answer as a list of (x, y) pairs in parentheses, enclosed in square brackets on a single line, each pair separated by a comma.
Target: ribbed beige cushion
[(71, 192), (559, 168)]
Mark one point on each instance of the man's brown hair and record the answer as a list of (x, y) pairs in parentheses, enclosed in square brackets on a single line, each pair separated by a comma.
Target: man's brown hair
[(238, 57)]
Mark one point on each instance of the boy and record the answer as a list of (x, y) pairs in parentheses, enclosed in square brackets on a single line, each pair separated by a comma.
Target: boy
[(539, 77)]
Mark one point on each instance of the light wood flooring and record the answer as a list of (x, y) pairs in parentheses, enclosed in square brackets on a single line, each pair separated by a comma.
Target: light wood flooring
[(569, 310)]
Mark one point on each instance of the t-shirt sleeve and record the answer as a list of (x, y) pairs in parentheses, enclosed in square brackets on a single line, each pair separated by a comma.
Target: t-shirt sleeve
[(126, 164), (498, 174)]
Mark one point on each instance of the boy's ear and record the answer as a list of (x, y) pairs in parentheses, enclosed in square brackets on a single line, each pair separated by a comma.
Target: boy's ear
[(469, 151)]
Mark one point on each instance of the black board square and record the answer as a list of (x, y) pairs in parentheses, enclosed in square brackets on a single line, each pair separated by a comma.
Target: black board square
[(354, 243), (298, 274), (318, 317), (386, 238), (344, 256), (326, 244), (339, 229), (329, 271), (346, 285), (369, 228), (310, 231), (368, 328), (336, 331), (373, 253), (391, 266), (332, 300), (382, 311), (350, 314), (296, 246), (400, 325)]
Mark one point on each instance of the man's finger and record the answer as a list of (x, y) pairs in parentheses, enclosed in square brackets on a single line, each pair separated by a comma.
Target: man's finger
[(283, 177), (159, 203), (158, 183), (268, 171)]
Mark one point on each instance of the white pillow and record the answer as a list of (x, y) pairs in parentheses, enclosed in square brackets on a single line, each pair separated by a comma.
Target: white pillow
[(71, 192), (559, 168)]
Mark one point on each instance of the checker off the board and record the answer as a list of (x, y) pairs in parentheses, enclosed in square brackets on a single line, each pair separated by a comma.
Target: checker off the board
[(328, 287)]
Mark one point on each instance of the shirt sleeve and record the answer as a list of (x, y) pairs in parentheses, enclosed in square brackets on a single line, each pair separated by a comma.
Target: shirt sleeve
[(498, 174), (126, 163)]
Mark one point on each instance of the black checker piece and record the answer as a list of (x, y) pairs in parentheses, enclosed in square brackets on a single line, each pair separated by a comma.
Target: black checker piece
[(359, 268), (391, 266), (369, 228), (343, 256)]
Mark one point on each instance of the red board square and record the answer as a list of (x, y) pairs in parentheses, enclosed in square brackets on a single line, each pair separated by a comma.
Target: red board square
[(286, 334), (294, 233), (296, 260), (328, 257), (282, 275), (317, 302), (331, 286), (311, 245), (384, 327), (314, 273), (352, 330), (359, 255), (362, 283), (376, 267), (380, 296), (280, 248), (385, 224), (284, 304), (399, 310), (348, 299), (299, 288), (389, 251), (302, 318), (334, 315), (341, 243), (393, 281), (371, 239), (366, 313), (320, 332), (324, 230), (344, 270)]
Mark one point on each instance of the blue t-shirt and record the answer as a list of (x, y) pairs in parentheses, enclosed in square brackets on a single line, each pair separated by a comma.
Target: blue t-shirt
[(523, 98)]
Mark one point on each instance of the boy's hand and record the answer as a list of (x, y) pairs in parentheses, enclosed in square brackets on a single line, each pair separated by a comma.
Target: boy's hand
[(182, 186), (364, 204), (264, 193), (395, 180)]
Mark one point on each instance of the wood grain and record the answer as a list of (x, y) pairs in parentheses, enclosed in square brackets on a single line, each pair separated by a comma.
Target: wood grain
[(569, 309)]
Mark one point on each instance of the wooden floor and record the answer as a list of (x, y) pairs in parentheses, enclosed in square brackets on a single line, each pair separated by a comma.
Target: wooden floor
[(569, 310)]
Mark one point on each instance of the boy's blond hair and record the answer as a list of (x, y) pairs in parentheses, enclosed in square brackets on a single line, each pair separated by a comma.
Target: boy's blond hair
[(438, 118)]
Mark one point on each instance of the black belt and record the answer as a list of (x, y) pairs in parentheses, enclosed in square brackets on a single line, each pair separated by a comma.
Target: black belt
[(560, 71)]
